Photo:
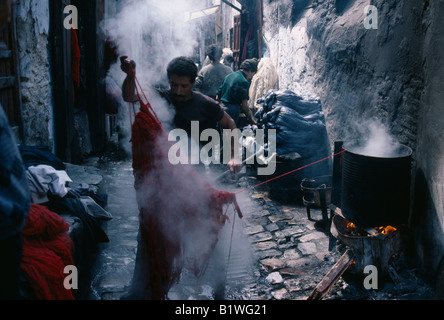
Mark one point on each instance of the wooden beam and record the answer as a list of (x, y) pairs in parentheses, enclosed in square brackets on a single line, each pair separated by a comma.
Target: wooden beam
[(232, 5), (332, 276), (94, 40), (60, 44)]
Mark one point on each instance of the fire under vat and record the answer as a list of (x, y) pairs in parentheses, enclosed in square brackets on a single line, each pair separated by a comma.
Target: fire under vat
[(369, 210)]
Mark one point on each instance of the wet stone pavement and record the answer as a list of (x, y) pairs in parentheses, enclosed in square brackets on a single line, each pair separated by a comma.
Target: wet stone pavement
[(277, 253), (115, 262)]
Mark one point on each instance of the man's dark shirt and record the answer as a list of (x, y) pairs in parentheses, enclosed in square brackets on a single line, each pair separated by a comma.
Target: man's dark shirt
[(199, 108)]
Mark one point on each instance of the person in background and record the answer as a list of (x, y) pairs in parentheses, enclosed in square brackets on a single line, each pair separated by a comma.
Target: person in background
[(212, 76), (234, 92), (229, 61), (15, 199)]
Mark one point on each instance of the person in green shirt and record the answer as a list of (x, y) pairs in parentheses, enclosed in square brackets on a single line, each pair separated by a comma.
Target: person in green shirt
[(234, 91)]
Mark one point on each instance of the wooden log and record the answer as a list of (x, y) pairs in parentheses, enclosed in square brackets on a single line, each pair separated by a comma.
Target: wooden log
[(332, 276)]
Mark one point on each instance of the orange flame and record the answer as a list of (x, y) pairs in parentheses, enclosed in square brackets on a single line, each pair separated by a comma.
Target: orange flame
[(386, 230), (351, 227)]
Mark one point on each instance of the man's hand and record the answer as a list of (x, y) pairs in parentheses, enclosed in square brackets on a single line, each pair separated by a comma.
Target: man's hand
[(228, 123), (248, 113), (253, 120), (129, 85), (128, 66)]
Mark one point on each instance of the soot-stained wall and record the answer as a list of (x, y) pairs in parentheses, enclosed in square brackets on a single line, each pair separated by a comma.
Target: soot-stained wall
[(392, 74)]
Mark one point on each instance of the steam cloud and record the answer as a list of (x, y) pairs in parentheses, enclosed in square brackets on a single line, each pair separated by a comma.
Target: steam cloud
[(151, 33), (375, 140)]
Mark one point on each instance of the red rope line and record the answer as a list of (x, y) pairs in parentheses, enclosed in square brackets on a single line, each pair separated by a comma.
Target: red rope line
[(293, 171), (137, 86), (130, 113)]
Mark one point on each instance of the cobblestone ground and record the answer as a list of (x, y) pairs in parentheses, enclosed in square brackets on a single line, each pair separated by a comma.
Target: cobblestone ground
[(277, 253)]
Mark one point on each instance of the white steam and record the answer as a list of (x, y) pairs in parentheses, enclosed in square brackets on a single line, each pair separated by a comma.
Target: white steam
[(375, 140), (151, 33)]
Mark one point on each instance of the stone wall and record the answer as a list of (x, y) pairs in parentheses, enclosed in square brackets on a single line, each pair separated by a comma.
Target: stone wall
[(393, 74), (325, 51), (428, 216), (32, 21)]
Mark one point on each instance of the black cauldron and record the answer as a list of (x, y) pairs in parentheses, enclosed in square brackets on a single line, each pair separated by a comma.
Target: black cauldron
[(375, 190)]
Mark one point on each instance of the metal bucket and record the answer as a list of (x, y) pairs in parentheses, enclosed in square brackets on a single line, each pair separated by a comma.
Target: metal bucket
[(312, 189)]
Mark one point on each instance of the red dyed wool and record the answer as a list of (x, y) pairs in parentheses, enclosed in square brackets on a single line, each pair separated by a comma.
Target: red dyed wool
[(47, 250), (180, 213)]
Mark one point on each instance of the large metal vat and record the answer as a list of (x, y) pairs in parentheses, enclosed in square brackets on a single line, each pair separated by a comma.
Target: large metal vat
[(375, 190)]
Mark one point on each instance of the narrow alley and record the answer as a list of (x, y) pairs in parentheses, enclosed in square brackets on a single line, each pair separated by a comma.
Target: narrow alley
[(221, 150)]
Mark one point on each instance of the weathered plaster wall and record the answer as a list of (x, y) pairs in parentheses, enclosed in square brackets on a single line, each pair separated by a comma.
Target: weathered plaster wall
[(393, 74), (326, 51), (32, 20), (428, 215)]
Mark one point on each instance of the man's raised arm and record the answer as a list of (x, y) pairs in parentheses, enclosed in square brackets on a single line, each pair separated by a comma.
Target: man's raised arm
[(129, 85)]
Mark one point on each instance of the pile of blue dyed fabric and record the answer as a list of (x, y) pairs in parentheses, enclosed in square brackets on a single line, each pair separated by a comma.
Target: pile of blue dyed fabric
[(300, 124)]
